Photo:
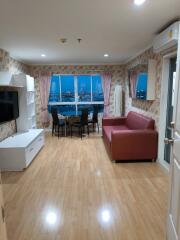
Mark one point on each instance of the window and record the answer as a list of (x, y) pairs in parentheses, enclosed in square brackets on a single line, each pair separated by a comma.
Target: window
[(67, 88), (71, 93), (84, 88), (54, 90), (97, 92)]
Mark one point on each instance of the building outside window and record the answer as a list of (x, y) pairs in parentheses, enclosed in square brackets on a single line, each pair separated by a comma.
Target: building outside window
[(71, 93)]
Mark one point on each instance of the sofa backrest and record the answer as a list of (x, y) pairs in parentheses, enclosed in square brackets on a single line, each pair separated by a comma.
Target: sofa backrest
[(138, 121)]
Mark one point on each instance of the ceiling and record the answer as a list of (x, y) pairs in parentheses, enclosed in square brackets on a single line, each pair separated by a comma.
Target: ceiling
[(29, 28)]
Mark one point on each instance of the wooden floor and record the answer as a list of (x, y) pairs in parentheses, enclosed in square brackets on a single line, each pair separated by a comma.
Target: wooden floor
[(72, 191)]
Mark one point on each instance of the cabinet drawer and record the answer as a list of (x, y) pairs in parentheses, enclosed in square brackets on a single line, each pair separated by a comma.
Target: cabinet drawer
[(40, 140), (34, 148), (30, 152)]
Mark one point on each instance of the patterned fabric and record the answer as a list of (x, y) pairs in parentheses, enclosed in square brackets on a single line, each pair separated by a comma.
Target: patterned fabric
[(44, 96), (133, 82), (106, 82)]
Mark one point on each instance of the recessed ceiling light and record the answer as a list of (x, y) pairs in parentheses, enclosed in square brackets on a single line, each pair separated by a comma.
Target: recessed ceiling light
[(106, 55), (43, 55), (139, 2)]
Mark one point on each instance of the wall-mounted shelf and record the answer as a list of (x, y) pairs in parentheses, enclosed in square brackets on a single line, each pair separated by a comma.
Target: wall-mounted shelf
[(27, 118), (10, 86)]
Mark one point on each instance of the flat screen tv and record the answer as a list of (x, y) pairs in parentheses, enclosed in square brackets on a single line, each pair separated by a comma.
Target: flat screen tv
[(9, 109)]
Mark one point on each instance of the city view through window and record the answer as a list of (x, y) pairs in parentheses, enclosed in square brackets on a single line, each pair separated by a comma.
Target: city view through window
[(71, 93)]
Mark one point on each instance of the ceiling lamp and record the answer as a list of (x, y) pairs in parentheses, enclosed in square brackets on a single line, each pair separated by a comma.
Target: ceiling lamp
[(43, 55), (106, 55), (139, 2), (63, 40)]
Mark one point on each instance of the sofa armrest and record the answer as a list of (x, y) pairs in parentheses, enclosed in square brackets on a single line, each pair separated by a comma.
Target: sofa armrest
[(134, 144), (113, 121)]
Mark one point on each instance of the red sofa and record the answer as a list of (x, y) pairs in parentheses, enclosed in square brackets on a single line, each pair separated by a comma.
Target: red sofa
[(130, 138)]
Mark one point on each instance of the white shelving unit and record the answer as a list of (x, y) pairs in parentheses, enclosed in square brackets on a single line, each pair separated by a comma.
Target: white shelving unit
[(27, 118), (18, 150)]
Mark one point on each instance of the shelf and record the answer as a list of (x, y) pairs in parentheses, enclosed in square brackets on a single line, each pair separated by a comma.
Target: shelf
[(30, 103), (11, 86), (30, 91)]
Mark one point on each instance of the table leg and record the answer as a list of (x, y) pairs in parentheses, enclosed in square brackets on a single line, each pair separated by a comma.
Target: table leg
[(65, 130)]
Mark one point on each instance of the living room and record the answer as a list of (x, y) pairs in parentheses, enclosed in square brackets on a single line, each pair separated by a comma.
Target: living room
[(89, 141)]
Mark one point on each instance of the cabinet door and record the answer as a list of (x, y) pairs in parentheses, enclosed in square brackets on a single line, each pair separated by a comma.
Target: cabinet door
[(3, 235)]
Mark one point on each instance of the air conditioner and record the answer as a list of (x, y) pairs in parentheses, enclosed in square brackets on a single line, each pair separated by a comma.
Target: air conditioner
[(168, 38)]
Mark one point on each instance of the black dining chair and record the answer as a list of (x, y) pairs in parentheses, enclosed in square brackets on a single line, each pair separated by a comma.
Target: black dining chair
[(94, 120), (56, 122), (82, 123)]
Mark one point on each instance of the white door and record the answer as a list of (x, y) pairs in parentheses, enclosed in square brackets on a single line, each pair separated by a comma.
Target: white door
[(2, 217), (173, 229)]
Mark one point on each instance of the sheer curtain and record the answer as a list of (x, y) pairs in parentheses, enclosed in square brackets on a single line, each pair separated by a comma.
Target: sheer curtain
[(133, 82), (106, 83), (44, 79)]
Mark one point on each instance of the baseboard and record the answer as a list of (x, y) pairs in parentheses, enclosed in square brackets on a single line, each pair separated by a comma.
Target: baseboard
[(164, 164)]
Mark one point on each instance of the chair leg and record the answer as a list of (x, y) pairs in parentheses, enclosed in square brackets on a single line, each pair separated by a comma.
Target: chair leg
[(81, 132), (58, 131), (55, 128), (62, 130), (93, 128), (88, 129), (98, 127), (52, 129)]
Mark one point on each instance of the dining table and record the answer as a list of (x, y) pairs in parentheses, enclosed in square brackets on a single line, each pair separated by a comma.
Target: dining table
[(68, 120)]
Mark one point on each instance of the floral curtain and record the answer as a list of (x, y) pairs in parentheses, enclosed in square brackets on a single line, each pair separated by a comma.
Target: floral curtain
[(133, 83), (106, 83), (44, 79)]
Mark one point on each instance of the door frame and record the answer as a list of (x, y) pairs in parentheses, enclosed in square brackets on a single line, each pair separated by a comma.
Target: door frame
[(163, 106)]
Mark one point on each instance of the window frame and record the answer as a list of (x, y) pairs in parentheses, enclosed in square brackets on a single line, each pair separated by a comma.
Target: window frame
[(76, 102)]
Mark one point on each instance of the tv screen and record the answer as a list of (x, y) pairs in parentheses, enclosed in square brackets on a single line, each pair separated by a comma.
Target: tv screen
[(9, 109)]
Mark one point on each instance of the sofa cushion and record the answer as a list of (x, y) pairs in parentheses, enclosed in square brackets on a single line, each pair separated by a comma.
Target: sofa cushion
[(108, 129), (138, 121)]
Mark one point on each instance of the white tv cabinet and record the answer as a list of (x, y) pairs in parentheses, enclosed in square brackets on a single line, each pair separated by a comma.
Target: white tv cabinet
[(18, 151)]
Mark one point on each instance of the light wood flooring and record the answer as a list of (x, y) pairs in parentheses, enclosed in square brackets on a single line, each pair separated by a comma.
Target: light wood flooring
[(72, 191)]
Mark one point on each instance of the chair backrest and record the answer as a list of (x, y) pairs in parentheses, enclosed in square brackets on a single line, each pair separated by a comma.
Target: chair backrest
[(95, 115), (84, 116), (55, 115)]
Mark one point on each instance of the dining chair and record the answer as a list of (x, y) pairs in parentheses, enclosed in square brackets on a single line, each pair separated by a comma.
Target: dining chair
[(94, 120), (82, 123), (57, 123)]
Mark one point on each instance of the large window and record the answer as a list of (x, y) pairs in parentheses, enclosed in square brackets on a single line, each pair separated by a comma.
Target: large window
[(67, 88), (84, 88), (70, 93)]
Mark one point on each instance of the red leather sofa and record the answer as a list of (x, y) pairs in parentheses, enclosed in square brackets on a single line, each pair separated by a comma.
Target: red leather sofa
[(130, 138)]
